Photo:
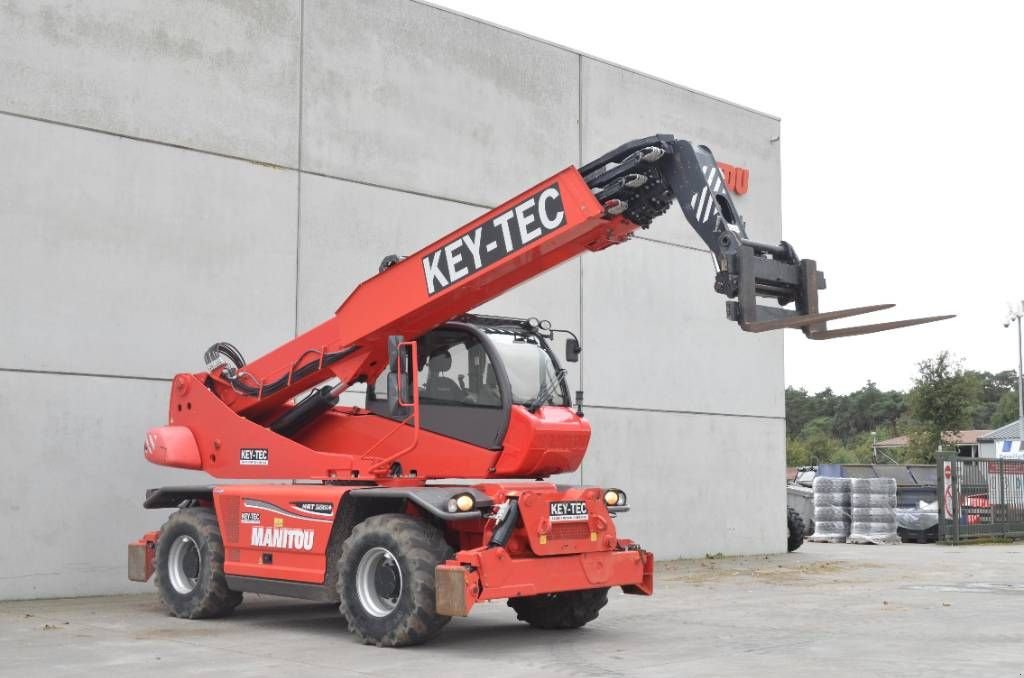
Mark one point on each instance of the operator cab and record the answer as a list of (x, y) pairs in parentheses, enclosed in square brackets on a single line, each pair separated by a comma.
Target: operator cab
[(471, 373)]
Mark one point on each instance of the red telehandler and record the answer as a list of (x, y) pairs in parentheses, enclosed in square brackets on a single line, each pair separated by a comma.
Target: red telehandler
[(448, 395)]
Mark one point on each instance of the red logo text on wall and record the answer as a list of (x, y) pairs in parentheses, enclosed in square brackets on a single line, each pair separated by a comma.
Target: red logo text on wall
[(737, 179)]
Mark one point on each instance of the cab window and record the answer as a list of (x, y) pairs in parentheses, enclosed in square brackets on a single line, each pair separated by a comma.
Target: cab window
[(530, 368), (456, 370)]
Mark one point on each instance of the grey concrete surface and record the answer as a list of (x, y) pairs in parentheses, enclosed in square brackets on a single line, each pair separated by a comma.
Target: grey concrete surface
[(425, 100), (123, 255), (131, 258), (826, 609), (697, 484), (74, 479), (218, 75)]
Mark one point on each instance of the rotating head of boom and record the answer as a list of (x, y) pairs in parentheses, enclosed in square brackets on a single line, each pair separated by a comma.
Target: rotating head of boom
[(640, 181)]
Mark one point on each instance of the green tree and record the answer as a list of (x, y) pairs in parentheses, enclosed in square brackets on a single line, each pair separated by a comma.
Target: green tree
[(939, 402), (798, 411), (815, 444), (798, 453), (986, 391), (889, 412), (1006, 410), (802, 408), (830, 427)]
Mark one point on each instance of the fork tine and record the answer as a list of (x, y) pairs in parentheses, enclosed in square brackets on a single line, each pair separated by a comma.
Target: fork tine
[(811, 319), (878, 327)]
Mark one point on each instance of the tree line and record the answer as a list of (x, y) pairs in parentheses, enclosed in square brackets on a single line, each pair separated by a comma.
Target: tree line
[(826, 427)]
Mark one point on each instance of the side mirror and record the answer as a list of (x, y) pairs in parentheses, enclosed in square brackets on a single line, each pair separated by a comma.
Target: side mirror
[(572, 350), (393, 341), (400, 375), (393, 396)]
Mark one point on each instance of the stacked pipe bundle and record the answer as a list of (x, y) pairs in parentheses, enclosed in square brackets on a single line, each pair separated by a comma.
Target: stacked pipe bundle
[(873, 511), (831, 509)]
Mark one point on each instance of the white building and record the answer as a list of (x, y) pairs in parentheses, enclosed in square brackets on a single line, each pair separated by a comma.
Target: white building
[(1005, 440)]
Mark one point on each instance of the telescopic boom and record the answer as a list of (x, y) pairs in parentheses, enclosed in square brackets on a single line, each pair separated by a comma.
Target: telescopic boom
[(599, 205)]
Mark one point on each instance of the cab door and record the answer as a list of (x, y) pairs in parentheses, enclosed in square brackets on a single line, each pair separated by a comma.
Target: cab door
[(462, 388)]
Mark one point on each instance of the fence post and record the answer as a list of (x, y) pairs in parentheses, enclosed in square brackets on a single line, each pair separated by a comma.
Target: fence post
[(940, 464), (1002, 497), (955, 487)]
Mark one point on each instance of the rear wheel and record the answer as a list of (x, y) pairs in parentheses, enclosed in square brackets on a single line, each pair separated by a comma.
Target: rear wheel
[(190, 566), (796, 530), (565, 610), (386, 580)]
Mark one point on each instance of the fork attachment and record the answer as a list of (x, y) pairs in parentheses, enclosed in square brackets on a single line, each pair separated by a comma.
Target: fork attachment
[(640, 180)]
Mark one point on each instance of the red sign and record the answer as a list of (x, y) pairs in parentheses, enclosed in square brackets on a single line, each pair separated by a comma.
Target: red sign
[(947, 499), (737, 179)]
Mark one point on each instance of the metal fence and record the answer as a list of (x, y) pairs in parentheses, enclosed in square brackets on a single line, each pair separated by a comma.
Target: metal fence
[(980, 498)]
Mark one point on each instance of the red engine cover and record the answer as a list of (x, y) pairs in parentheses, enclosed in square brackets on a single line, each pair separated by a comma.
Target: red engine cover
[(172, 446)]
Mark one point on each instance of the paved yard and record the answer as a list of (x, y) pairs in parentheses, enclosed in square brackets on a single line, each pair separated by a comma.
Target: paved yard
[(849, 610)]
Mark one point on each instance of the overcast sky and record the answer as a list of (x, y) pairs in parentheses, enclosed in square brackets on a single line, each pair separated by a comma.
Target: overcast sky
[(902, 151)]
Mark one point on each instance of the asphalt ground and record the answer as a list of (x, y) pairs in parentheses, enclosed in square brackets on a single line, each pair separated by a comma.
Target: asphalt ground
[(914, 610)]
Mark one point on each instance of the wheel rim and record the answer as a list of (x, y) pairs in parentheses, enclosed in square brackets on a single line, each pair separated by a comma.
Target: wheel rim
[(379, 581), (183, 564)]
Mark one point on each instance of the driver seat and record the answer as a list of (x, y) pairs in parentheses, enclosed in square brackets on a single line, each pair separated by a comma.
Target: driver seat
[(438, 386)]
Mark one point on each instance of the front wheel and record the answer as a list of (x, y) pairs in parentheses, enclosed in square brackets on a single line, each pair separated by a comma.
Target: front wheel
[(565, 610), (190, 566), (386, 580)]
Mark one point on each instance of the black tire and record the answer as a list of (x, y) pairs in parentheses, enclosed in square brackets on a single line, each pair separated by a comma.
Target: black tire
[(415, 549), (190, 566), (918, 536), (565, 610), (795, 524), (388, 261)]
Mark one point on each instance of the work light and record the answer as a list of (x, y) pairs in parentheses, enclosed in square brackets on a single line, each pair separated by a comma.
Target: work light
[(461, 503), (614, 497)]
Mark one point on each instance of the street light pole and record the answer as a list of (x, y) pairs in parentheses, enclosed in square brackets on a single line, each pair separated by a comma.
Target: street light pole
[(1020, 379), (1015, 316)]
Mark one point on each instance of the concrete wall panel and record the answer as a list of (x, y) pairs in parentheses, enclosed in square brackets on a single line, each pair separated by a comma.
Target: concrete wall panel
[(421, 99), (697, 484), (74, 480), (217, 75), (127, 258), (735, 135), (657, 338)]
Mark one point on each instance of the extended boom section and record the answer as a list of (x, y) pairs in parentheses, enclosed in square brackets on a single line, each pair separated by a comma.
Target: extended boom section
[(641, 179)]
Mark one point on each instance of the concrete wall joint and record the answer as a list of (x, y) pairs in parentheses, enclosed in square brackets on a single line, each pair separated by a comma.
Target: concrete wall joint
[(704, 413)]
